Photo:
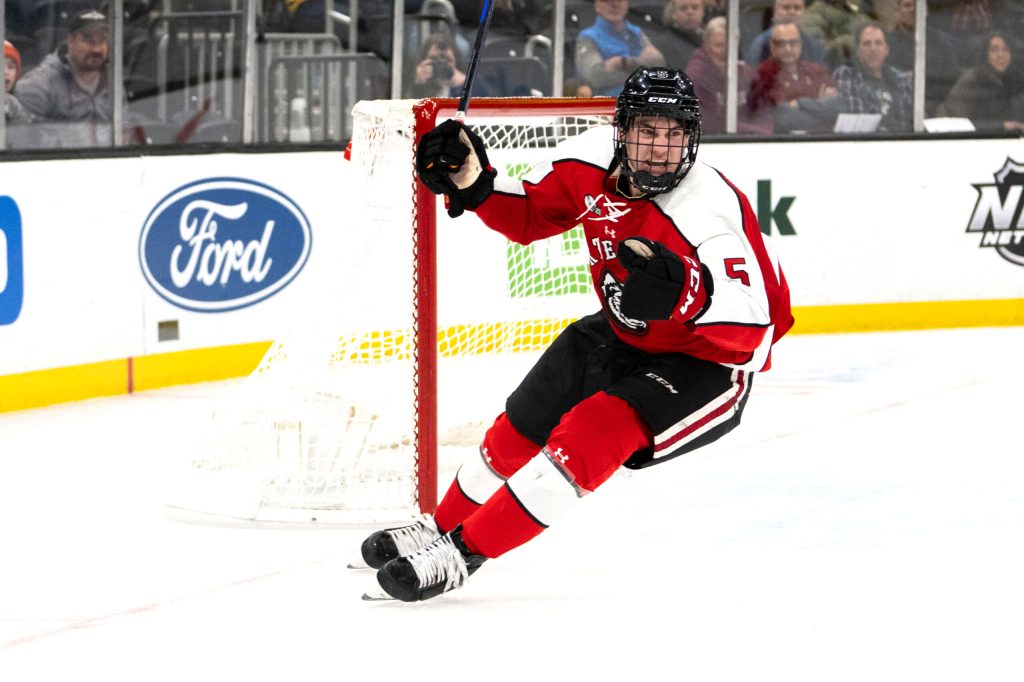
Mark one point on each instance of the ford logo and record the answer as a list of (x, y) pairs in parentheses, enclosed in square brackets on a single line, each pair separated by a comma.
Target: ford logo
[(222, 244)]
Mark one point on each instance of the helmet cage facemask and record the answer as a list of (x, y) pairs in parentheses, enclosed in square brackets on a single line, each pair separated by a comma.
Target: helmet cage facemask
[(649, 183)]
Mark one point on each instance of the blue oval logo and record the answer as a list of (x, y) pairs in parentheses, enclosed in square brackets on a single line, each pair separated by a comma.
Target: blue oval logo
[(223, 243)]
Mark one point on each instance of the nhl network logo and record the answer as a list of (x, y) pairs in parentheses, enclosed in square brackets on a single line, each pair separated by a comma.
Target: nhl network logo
[(998, 212)]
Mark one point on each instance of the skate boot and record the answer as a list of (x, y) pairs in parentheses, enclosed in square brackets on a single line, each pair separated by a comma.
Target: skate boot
[(440, 567), (391, 543)]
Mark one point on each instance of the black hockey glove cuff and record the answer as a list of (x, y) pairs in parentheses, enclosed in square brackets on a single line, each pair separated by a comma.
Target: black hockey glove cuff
[(661, 285), (472, 196)]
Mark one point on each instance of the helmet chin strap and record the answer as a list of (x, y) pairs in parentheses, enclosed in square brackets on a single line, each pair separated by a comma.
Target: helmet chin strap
[(624, 187)]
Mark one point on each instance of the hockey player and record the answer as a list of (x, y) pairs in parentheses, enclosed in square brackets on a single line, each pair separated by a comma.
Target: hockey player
[(692, 302)]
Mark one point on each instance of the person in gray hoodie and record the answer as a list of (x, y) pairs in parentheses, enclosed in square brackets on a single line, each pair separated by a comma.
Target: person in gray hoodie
[(72, 84)]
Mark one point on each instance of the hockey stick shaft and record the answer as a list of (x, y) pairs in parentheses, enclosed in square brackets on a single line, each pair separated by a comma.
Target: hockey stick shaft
[(474, 59)]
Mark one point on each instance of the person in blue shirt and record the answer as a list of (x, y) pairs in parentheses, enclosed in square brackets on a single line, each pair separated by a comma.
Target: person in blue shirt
[(612, 48)]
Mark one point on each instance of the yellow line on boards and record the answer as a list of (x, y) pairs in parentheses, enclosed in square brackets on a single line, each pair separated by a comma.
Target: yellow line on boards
[(62, 384), (114, 377), (193, 366)]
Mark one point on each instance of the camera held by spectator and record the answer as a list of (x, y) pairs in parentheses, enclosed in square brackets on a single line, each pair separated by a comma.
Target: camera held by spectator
[(443, 69)]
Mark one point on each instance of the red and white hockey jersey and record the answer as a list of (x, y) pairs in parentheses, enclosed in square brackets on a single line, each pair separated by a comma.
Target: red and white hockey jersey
[(705, 217)]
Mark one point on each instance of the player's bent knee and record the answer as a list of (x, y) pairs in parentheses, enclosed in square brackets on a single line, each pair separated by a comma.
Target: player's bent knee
[(597, 436), (505, 449)]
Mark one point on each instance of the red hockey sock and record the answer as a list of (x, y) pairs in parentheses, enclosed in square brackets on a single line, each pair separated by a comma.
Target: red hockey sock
[(584, 450), (454, 508), (498, 526), (504, 451)]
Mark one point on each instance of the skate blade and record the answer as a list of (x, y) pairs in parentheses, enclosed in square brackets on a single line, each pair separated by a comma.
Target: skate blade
[(379, 595), (357, 565)]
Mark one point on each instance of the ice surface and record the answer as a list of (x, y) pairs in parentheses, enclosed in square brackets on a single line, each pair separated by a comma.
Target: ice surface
[(865, 522)]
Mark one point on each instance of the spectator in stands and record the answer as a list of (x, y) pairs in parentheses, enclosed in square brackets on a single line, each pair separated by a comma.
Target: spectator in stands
[(13, 109), (437, 73), (811, 49), (942, 67), (991, 94), (681, 31), (833, 22), (800, 94), (706, 69), (612, 48), (869, 85), (72, 84)]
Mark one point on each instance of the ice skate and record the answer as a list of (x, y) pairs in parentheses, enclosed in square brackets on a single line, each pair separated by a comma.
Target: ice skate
[(440, 567), (391, 543)]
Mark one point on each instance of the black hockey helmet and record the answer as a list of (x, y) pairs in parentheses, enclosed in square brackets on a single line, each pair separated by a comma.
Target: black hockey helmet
[(657, 91)]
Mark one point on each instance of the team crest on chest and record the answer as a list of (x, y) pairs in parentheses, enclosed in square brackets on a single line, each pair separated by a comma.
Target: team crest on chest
[(603, 208), (611, 292)]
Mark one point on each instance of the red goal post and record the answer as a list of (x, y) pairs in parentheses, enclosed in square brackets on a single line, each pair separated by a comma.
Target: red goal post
[(427, 114)]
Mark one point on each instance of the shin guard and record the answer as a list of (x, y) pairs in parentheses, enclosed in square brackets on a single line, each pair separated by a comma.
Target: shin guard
[(533, 498)]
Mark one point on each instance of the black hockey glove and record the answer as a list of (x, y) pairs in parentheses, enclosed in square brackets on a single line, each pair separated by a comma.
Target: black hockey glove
[(661, 285), (440, 157)]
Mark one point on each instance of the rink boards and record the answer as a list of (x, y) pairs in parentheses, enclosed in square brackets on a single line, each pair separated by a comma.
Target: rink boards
[(124, 274)]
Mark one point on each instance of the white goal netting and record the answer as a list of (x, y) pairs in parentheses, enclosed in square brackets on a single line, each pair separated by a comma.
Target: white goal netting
[(330, 427)]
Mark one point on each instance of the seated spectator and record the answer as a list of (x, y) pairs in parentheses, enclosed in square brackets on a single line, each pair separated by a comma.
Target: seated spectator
[(832, 22), (72, 84), (869, 85), (612, 48), (942, 67), (991, 94), (800, 94), (13, 109), (706, 69), (811, 49), (436, 73), (682, 33)]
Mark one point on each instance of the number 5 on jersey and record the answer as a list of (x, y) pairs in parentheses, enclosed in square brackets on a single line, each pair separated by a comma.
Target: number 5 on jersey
[(735, 268)]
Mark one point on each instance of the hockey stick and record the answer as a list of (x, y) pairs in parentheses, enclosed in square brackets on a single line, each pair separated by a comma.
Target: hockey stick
[(474, 60)]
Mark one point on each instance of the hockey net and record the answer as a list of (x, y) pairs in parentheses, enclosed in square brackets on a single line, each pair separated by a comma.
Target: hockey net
[(435, 321)]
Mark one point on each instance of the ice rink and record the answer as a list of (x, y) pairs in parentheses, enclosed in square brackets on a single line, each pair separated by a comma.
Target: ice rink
[(865, 522)]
